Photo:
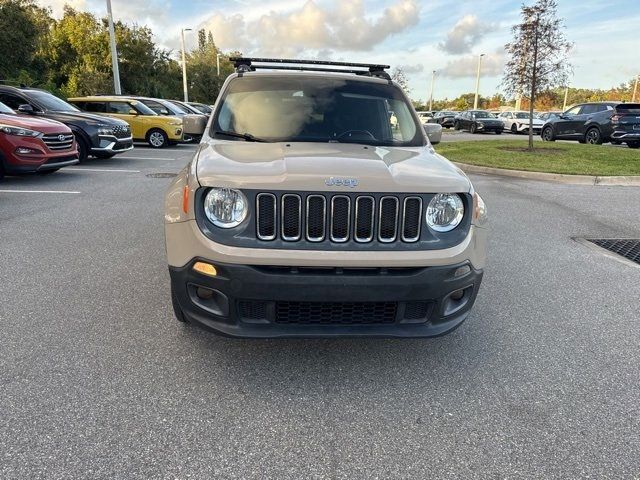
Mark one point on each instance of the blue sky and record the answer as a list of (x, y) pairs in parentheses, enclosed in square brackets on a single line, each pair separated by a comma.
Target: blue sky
[(420, 35)]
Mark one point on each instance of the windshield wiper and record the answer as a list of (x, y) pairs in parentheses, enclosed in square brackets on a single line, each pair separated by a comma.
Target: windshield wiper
[(247, 136)]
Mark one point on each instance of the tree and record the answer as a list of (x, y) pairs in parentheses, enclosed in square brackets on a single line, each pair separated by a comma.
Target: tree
[(23, 25), (401, 79), (537, 55)]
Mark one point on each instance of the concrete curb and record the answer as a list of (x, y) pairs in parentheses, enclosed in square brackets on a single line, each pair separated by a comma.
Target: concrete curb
[(617, 181)]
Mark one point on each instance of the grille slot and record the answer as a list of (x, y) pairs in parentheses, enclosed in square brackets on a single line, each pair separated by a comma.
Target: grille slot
[(388, 221), (411, 219), (336, 313), (58, 141), (266, 216), (316, 215), (365, 214), (291, 217), (340, 218)]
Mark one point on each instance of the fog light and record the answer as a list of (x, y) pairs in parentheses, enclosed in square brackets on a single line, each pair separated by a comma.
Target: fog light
[(25, 151), (205, 269), (457, 295), (204, 293), (463, 270)]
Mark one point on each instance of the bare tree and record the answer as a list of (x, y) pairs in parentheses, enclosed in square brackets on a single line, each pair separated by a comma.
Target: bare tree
[(401, 79), (537, 54)]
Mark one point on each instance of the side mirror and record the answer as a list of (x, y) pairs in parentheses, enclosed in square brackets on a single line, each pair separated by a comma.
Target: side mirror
[(434, 132), (164, 111), (26, 108), (133, 112)]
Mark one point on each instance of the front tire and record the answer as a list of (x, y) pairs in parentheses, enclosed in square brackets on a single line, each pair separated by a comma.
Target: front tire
[(473, 128), (514, 129), (547, 134), (176, 308), (593, 136), (83, 149), (156, 138), (629, 144), (456, 126), (498, 132)]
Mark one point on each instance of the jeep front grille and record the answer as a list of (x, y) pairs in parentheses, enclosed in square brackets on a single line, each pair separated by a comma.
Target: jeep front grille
[(58, 141), (338, 218)]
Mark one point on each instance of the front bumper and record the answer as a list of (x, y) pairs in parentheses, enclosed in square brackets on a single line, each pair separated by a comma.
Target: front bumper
[(113, 144), (525, 128), (267, 301), (481, 127), (624, 135)]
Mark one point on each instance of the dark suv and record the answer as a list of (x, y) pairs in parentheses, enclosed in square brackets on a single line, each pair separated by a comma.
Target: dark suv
[(596, 123), (99, 136)]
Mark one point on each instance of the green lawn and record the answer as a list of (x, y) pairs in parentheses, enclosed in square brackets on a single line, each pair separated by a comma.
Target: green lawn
[(556, 157)]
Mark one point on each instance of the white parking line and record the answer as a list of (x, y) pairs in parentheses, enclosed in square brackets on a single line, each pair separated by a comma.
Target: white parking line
[(145, 158), (82, 169), (40, 191)]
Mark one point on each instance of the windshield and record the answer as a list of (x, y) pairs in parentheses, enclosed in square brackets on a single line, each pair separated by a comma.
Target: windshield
[(175, 109), (5, 109), (483, 115), (306, 109), (51, 102), (143, 109)]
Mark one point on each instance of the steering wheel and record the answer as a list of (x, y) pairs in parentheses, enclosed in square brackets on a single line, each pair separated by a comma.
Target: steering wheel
[(351, 133)]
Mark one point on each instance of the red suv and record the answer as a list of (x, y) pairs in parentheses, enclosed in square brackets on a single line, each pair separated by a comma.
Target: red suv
[(29, 145)]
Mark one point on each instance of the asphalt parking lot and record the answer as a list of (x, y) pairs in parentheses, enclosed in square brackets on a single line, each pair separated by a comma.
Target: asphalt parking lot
[(99, 381)]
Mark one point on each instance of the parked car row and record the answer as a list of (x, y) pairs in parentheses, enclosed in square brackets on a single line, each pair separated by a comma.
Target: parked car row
[(41, 133)]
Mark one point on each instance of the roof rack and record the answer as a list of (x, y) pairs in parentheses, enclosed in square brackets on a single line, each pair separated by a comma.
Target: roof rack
[(247, 64)]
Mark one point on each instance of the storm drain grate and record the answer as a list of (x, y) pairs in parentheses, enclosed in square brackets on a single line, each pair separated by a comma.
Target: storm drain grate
[(627, 248), (161, 175)]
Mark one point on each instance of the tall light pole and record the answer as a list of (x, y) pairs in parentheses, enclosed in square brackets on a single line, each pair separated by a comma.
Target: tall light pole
[(114, 51), (218, 62), (475, 101), (433, 79), (635, 89), (184, 66), (566, 94)]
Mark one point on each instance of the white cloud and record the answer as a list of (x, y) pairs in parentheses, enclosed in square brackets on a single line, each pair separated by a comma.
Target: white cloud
[(411, 69), (465, 33), (467, 66), (344, 25)]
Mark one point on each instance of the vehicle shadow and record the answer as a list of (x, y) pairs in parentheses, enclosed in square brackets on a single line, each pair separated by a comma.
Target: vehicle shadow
[(277, 369)]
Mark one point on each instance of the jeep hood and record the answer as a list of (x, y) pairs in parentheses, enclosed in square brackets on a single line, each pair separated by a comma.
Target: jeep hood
[(306, 166)]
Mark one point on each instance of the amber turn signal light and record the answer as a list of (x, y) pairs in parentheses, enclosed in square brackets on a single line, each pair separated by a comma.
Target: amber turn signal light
[(205, 269), (185, 199)]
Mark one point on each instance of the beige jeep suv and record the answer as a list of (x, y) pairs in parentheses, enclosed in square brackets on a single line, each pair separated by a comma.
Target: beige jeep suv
[(306, 212)]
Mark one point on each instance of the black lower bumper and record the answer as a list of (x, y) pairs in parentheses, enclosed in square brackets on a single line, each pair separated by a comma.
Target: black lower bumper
[(264, 302)]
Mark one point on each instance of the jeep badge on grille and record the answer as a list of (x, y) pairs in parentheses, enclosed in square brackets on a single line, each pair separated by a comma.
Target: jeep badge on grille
[(341, 182)]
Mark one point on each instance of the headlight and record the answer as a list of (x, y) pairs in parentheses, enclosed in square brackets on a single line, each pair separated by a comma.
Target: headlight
[(225, 207), (20, 132), (105, 130), (445, 212)]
